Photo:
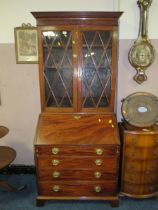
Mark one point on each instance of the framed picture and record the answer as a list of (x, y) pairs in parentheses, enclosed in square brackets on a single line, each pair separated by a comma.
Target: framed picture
[(26, 46)]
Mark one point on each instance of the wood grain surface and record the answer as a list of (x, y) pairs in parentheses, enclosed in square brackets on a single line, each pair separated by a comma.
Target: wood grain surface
[(66, 129)]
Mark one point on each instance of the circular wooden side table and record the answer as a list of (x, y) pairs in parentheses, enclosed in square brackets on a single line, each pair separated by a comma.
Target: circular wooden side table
[(7, 156), (3, 131)]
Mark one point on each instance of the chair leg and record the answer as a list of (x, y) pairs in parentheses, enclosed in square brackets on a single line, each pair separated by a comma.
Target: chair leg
[(5, 185)]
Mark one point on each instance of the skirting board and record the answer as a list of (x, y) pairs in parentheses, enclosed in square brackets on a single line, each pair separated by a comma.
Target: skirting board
[(18, 169)]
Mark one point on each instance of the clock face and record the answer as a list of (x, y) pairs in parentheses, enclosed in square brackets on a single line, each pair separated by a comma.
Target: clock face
[(141, 55)]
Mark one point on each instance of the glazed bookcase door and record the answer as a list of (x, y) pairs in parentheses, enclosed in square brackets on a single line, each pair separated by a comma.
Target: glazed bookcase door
[(77, 69), (58, 69), (96, 77)]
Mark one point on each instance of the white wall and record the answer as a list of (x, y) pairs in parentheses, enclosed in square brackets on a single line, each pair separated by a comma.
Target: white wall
[(129, 21), (20, 103), (14, 13), (19, 83)]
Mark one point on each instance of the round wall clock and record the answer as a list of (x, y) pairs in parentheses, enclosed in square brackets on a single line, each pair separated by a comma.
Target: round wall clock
[(140, 109), (142, 53)]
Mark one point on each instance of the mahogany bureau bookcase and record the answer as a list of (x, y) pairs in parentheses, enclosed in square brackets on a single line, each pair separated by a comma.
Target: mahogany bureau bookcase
[(77, 145)]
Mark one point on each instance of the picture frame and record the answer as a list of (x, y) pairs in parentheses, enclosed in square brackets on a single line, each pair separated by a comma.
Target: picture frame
[(26, 44)]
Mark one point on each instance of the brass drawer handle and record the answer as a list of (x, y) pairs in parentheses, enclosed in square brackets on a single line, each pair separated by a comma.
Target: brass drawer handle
[(56, 174), (55, 150), (98, 162), (56, 188), (97, 174), (97, 189), (99, 151), (55, 162)]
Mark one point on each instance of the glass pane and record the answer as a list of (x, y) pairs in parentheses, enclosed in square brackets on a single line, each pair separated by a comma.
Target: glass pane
[(58, 69), (96, 69)]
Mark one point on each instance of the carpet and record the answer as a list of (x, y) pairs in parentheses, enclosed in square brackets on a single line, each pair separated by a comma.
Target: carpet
[(26, 199)]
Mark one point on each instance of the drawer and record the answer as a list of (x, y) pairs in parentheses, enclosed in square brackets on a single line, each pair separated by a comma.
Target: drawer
[(139, 178), (99, 150), (139, 189), (150, 153), (141, 140), (80, 188), (147, 166), (63, 162), (52, 174)]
